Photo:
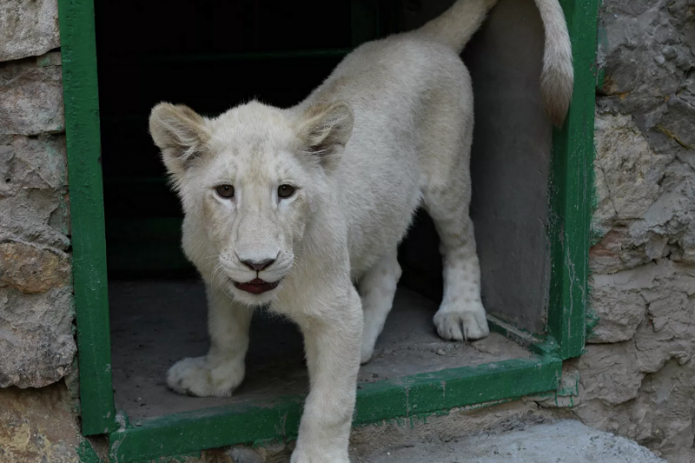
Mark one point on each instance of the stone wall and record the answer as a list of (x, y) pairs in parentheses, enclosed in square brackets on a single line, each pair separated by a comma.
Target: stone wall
[(637, 377), (36, 309), (37, 345)]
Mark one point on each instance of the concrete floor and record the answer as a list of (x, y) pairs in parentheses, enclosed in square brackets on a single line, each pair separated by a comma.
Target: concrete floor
[(155, 323)]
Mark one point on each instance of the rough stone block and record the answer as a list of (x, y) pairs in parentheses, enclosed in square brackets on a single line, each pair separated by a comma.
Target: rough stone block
[(28, 28), (679, 121), (627, 171), (620, 310), (672, 215), (31, 96), (33, 190), (643, 388), (30, 216), (618, 251), (38, 163), (36, 340), (660, 416), (609, 373), (31, 269), (645, 199), (38, 426), (643, 52)]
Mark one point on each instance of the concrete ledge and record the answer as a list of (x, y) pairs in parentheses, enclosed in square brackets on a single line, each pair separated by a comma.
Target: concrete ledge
[(561, 442)]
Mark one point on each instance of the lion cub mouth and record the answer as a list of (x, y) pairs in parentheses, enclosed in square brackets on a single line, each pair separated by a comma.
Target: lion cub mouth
[(256, 286)]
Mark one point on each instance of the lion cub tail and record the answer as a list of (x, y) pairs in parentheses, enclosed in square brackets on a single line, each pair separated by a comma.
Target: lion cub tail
[(455, 27)]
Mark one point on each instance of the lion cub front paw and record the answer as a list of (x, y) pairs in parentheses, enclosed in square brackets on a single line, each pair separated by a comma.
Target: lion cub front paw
[(461, 323), (194, 376), (319, 455)]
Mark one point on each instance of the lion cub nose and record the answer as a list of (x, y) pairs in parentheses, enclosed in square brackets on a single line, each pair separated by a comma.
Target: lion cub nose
[(258, 265)]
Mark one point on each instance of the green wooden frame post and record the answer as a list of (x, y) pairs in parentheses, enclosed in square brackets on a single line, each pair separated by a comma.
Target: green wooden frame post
[(81, 97), (571, 180), (409, 397)]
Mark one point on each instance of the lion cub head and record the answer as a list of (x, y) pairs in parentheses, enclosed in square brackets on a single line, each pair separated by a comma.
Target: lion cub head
[(249, 181)]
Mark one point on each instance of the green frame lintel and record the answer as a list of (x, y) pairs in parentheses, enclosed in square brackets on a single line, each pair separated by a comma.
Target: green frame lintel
[(391, 399)]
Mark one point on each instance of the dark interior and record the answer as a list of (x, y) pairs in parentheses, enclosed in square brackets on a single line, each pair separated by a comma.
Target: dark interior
[(212, 55)]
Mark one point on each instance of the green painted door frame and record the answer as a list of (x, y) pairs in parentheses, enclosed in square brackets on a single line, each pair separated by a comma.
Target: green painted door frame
[(81, 100), (418, 395)]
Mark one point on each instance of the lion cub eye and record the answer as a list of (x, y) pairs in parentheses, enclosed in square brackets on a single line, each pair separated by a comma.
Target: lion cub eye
[(225, 191), (285, 191)]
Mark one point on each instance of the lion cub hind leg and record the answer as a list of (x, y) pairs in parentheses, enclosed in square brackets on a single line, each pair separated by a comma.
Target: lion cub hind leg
[(219, 372), (377, 289), (461, 314)]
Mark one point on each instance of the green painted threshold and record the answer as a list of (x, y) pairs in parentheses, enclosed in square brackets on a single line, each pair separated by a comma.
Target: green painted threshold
[(412, 396)]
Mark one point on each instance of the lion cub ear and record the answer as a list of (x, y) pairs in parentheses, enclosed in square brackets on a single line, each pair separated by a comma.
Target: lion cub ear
[(325, 130), (180, 133)]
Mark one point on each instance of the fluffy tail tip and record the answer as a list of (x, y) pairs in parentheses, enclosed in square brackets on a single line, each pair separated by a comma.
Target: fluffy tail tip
[(556, 90)]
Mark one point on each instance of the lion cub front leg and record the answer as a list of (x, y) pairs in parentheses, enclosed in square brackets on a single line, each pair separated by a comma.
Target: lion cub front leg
[(222, 369), (377, 289), (332, 341)]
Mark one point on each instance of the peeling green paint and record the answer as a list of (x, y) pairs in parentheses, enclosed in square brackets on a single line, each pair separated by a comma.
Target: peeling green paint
[(181, 458), (592, 320), (602, 43), (570, 386), (595, 236), (44, 61), (87, 454)]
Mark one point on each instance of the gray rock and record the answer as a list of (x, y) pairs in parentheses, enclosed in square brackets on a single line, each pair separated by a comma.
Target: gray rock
[(32, 269), (31, 96), (32, 162), (36, 303), (28, 28), (245, 455), (562, 442), (33, 190), (36, 216), (36, 340), (609, 373), (627, 171), (643, 52), (40, 426), (620, 310)]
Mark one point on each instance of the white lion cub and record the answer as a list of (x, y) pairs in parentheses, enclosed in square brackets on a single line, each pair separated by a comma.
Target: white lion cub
[(288, 208)]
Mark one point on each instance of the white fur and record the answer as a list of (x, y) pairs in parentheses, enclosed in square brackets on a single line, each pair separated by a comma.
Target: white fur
[(388, 131)]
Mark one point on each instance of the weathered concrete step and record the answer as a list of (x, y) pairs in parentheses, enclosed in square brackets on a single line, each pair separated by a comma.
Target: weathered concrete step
[(561, 442)]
